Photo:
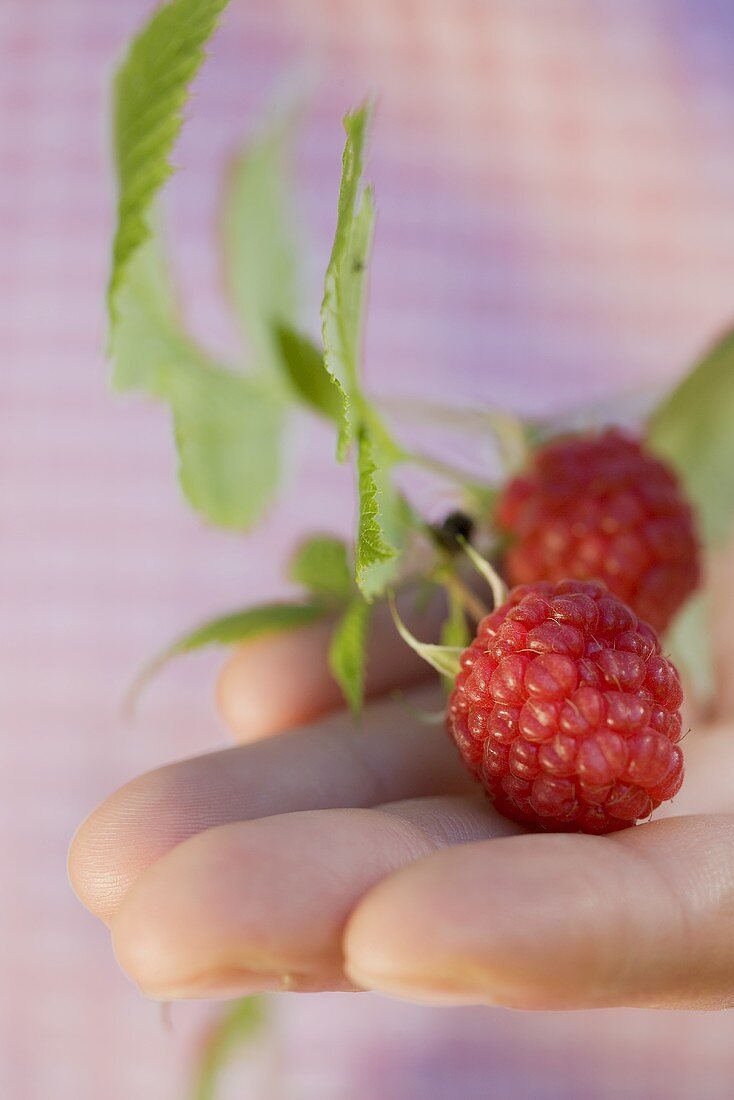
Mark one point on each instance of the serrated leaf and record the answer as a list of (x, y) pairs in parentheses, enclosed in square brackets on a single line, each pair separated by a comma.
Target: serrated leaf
[(345, 283), (347, 653), (376, 556), (150, 90), (239, 1023), (258, 241), (239, 626), (227, 425), (381, 512), (688, 642), (692, 429), (303, 363), (322, 566)]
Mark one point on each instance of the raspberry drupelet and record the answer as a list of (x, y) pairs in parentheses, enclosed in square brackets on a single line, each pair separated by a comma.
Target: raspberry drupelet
[(567, 712), (601, 507)]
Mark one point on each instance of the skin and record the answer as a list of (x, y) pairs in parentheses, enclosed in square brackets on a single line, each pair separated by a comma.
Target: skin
[(322, 858)]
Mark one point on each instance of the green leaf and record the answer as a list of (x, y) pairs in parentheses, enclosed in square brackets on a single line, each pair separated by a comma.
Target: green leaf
[(347, 653), (239, 1023), (304, 365), (692, 429), (240, 626), (688, 641), (150, 90), (145, 339), (258, 240), (383, 520), (345, 283), (227, 426), (455, 631), (227, 432), (322, 566), (382, 516)]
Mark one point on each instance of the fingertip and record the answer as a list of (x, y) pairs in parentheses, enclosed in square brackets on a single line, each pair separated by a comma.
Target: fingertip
[(275, 683), (98, 870), (485, 924)]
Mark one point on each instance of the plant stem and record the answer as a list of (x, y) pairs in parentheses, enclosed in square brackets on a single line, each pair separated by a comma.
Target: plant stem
[(471, 603), (445, 469)]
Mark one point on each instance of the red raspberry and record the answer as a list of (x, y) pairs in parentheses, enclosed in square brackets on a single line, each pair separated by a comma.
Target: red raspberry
[(566, 711), (601, 507)]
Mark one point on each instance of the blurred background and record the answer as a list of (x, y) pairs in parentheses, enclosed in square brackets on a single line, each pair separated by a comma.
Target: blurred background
[(555, 188)]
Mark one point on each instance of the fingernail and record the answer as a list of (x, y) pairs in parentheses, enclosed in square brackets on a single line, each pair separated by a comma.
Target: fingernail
[(219, 986)]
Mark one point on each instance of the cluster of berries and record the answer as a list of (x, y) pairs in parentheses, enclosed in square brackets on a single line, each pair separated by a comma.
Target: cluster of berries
[(565, 708)]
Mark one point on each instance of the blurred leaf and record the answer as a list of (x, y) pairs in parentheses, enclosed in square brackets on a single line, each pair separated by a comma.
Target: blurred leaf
[(688, 642), (239, 1023), (322, 566), (150, 90), (227, 426), (347, 653), (228, 434), (304, 365), (345, 283), (146, 339), (692, 429), (258, 241), (455, 631), (240, 626)]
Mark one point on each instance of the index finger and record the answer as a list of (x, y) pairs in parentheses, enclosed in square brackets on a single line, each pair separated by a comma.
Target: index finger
[(278, 682)]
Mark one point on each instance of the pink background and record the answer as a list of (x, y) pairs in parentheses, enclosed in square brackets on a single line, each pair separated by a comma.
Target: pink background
[(556, 198)]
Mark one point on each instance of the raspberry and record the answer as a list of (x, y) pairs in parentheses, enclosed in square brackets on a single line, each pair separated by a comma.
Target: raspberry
[(567, 712), (601, 507)]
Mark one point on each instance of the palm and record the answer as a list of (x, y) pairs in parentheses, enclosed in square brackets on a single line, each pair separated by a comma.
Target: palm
[(328, 858)]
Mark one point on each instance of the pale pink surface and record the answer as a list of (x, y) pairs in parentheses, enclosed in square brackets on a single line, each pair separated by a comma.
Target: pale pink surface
[(556, 195)]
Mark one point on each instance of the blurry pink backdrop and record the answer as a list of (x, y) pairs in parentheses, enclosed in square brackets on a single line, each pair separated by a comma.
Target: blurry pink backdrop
[(555, 185)]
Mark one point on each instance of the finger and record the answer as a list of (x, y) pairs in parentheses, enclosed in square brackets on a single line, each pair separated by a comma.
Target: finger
[(558, 921), (274, 683), (262, 904), (393, 756), (709, 764), (721, 585)]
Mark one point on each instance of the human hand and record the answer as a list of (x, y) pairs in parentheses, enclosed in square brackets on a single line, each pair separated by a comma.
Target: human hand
[(329, 858)]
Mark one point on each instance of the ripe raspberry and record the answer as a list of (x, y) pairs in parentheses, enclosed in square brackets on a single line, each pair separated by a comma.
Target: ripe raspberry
[(566, 711), (601, 507)]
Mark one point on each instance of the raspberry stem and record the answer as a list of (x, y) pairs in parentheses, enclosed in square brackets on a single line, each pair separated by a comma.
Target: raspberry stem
[(486, 570), (469, 601), (443, 658)]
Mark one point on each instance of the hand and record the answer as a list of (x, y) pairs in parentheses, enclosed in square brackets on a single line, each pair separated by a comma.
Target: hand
[(332, 859)]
